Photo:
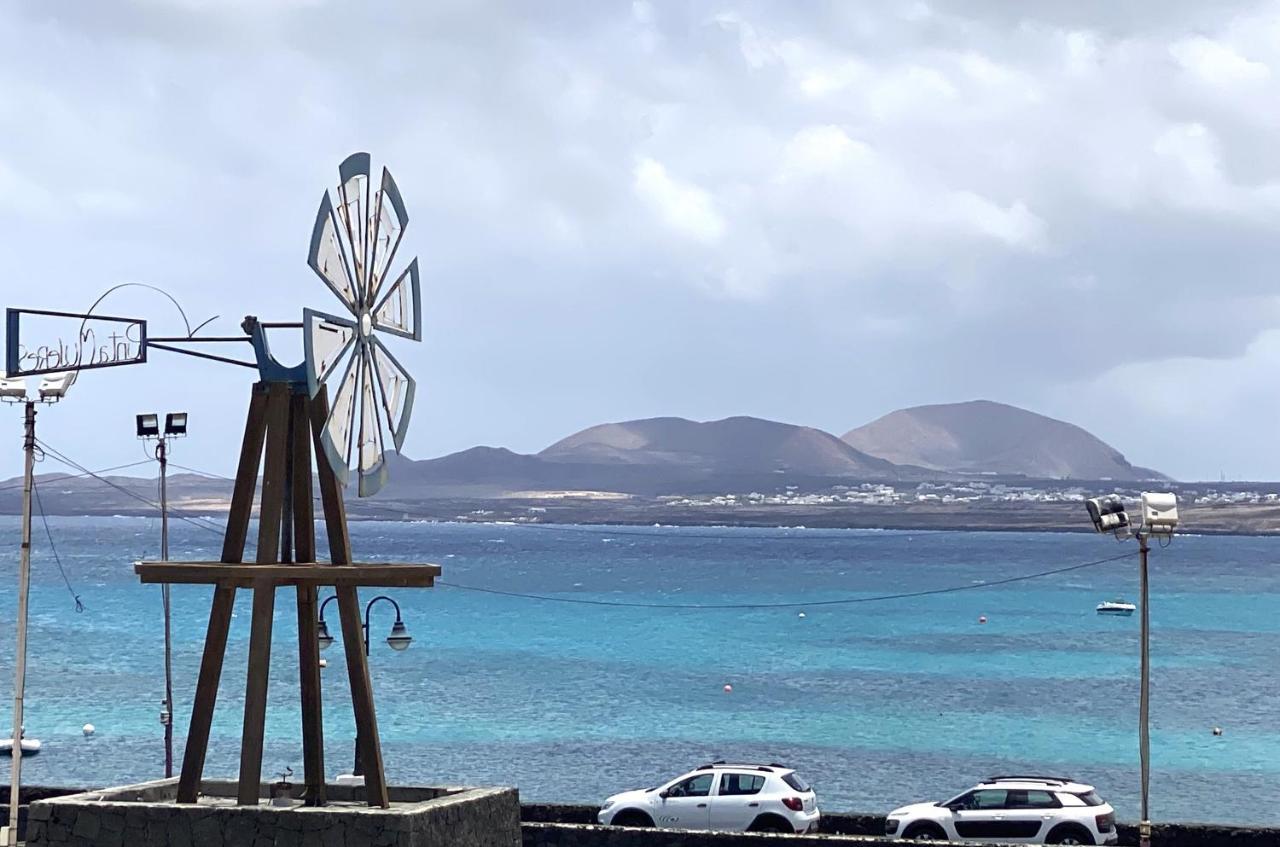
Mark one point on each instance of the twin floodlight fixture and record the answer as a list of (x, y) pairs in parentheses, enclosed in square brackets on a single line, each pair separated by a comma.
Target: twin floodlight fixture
[(1159, 514), (53, 388), (175, 424)]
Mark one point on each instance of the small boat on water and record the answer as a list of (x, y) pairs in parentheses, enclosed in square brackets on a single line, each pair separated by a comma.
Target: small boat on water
[(30, 746), (1118, 606)]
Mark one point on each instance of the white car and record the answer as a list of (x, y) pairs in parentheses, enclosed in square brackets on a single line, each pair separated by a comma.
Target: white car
[(756, 798), (1015, 809)]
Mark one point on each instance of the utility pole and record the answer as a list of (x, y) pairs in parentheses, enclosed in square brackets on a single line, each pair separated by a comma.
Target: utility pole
[(1144, 698), (166, 716), (20, 654)]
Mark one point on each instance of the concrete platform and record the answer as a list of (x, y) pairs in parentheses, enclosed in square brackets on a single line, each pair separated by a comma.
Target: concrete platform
[(146, 815)]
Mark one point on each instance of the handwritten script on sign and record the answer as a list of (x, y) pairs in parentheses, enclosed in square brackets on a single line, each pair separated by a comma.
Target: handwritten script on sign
[(39, 342)]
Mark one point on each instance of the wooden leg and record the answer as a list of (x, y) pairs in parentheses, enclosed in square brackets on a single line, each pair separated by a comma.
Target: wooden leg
[(255, 428), (335, 512), (308, 637), (255, 695), (215, 648), (375, 781)]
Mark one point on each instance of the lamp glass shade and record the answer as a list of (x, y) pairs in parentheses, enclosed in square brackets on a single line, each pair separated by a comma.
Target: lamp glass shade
[(399, 638), (175, 423), (322, 635), (148, 426)]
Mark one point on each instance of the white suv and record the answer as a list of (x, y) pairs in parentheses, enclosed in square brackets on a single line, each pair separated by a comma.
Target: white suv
[(757, 798), (1017, 809)]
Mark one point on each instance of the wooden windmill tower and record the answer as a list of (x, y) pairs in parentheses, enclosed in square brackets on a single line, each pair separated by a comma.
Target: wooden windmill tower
[(292, 419)]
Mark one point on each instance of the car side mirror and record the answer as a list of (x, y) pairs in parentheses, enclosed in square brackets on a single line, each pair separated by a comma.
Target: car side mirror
[(664, 794)]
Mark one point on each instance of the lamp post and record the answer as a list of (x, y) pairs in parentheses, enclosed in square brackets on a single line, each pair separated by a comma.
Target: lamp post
[(1159, 517), (52, 389), (398, 639), (148, 427)]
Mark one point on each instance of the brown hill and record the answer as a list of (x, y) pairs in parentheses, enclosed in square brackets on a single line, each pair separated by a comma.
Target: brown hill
[(737, 445), (985, 437)]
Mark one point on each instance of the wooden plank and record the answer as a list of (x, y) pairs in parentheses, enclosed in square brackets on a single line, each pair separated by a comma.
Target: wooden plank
[(308, 634), (386, 574), (335, 511), (375, 781), (246, 477), (215, 647), (255, 693), (271, 505)]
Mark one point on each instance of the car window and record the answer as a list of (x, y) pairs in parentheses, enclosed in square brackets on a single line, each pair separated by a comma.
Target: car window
[(1091, 798), (985, 798), (694, 786), (740, 783), (793, 779)]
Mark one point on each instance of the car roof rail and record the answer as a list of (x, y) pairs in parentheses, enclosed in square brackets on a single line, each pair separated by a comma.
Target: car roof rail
[(1029, 778), (709, 765), (776, 765)]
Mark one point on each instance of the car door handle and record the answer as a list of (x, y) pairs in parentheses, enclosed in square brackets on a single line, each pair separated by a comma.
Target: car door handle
[(702, 805), (753, 805)]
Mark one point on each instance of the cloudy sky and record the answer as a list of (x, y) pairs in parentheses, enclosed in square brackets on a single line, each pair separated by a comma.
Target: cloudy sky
[(815, 213)]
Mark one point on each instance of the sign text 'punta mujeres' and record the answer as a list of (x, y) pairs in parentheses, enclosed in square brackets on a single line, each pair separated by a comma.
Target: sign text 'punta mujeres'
[(41, 342)]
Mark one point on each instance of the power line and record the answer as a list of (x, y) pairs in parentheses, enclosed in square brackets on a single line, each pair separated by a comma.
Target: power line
[(35, 489), (838, 602), (17, 485)]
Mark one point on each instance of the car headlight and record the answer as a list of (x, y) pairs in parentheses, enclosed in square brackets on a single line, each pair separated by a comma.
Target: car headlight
[(607, 804)]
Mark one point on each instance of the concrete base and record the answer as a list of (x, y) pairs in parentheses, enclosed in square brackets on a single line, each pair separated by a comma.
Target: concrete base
[(146, 815)]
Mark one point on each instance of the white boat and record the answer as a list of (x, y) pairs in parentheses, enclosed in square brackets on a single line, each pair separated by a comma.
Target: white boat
[(30, 746), (1118, 606)]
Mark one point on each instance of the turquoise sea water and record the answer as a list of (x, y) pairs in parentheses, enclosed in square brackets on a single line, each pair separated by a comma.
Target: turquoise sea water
[(877, 704)]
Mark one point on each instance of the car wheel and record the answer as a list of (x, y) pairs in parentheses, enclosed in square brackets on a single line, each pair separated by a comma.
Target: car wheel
[(632, 817), (1069, 835), (771, 823), (924, 832)]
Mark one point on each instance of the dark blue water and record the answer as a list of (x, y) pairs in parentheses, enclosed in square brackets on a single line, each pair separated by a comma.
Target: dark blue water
[(877, 703)]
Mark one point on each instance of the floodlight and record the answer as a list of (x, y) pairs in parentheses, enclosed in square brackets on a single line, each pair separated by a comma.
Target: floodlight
[(175, 423), (54, 386), (399, 638), (1107, 513), (148, 426), (1159, 511), (13, 390)]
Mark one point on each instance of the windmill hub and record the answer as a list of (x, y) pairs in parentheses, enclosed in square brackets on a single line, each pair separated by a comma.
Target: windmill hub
[(366, 325)]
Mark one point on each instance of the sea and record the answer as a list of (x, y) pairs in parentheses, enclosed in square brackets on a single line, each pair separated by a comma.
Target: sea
[(578, 661)]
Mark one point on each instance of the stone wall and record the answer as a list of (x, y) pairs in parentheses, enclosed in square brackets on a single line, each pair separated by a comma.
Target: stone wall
[(147, 816)]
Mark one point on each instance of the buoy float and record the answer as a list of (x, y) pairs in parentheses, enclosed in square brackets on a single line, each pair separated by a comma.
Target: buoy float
[(88, 730), (982, 618), (728, 689), (324, 663), (801, 615), (1217, 730)]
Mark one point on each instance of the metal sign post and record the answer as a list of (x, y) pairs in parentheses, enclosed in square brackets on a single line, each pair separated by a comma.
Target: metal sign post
[(24, 589)]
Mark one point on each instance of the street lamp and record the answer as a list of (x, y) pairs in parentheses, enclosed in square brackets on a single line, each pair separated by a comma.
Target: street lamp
[(398, 640), (1159, 518), (51, 389), (148, 427)]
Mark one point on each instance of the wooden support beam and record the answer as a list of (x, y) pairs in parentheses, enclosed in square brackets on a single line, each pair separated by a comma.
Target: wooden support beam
[(215, 648), (255, 694), (308, 636), (335, 511), (255, 426), (379, 574), (375, 781)]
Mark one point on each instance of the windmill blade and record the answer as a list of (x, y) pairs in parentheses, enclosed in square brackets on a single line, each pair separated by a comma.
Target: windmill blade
[(328, 257), (326, 339), (353, 201), (370, 463), (399, 312), (336, 436), (397, 389), (387, 226)]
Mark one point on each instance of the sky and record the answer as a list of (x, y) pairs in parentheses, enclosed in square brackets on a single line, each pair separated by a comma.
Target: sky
[(812, 212)]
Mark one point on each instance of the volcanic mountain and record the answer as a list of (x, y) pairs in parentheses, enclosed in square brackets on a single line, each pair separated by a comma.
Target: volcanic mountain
[(738, 445), (981, 436)]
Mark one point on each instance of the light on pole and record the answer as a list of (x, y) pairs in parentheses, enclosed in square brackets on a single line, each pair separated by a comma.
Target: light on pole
[(1159, 518), (52, 389), (398, 639), (148, 427)]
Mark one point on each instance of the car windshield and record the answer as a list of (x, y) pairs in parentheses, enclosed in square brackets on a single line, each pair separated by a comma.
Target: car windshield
[(1091, 798), (793, 779)]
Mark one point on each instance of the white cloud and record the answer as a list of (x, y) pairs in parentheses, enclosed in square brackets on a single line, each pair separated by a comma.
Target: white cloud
[(1217, 63), (682, 206)]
